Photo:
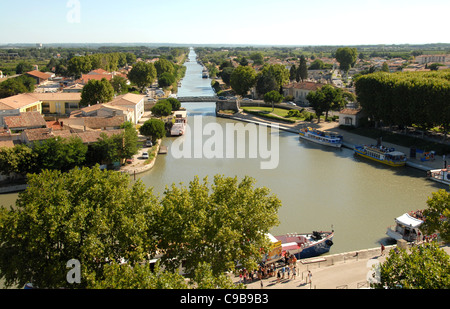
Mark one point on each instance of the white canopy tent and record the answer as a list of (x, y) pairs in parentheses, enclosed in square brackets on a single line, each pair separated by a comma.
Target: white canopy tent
[(408, 221)]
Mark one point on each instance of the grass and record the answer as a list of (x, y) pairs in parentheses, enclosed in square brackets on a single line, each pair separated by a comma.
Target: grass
[(266, 112)]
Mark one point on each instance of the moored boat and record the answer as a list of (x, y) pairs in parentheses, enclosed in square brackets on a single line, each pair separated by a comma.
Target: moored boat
[(440, 175), (407, 227), (179, 127), (320, 137), (301, 245), (388, 156)]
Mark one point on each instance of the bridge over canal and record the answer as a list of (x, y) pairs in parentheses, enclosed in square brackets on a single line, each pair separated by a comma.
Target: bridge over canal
[(198, 99)]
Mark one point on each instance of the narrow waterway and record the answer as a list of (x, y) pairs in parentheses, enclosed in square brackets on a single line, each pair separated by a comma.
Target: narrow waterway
[(320, 188)]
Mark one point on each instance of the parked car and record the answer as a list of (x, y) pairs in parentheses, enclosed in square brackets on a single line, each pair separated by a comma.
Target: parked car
[(145, 155), (291, 103), (149, 143)]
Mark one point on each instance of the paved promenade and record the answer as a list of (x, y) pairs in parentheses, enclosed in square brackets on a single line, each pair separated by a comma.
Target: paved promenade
[(349, 270)]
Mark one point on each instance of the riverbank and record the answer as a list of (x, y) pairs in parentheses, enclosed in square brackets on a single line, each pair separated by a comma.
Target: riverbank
[(350, 270), (350, 139)]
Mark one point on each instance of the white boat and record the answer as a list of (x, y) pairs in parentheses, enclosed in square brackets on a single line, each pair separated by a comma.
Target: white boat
[(406, 227), (320, 137), (179, 127), (440, 175)]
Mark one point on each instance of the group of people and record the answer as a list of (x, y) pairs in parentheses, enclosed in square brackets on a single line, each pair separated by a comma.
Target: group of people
[(265, 271)]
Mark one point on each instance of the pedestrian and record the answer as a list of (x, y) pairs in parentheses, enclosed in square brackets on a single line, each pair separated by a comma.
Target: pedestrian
[(382, 249), (309, 276), (288, 272), (278, 276), (294, 270)]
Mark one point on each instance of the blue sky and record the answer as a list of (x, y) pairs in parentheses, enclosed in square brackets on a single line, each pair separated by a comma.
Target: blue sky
[(283, 22)]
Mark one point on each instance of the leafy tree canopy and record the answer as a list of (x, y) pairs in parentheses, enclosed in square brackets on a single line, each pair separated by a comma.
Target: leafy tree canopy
[(154, 128), (142, 74), (422, 267), (242, 79), (97, 91)]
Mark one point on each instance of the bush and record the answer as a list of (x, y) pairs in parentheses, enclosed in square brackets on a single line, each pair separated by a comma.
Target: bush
[(294, 113), (162, 108)]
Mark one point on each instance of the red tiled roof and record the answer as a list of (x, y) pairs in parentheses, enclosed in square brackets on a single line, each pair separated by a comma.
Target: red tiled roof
[(39, 74), (85, 78), (304, 85), (25, 120)]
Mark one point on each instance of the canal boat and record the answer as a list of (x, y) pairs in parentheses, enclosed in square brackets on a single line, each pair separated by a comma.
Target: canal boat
[(179, 127), (320, 137), (381, 154), (303, 246), (406, 227), (440, 175)]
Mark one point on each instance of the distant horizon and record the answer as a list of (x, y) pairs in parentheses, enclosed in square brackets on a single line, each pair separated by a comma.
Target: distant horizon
[(226, 23), (160, 44)]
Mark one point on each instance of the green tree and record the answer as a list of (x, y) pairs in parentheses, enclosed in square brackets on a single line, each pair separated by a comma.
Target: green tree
[(242, 79), (97, 217), (78, 66), (176, 104), (221, 225), (226, 73), (325, 99), (278, 72), (423, 267), (17, 85), (293, 73), (17, 160), (273, 97), (138, 276), (385, 67), (163, 66), (266, 82), (438, 209), (166, 79), (97, 91), (257, 57), (142, 74), (346, 57), (154, 128), (23, 67), (162, 108), (104, 151), (302, 72), (119, 84), (60, 154)]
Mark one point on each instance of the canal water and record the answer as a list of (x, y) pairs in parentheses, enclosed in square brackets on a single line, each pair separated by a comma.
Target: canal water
[(320, 188)]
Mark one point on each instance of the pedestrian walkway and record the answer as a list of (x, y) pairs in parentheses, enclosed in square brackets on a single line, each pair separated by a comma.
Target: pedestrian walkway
[(351, 270)]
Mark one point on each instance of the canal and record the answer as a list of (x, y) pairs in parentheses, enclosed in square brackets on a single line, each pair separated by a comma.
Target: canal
[(320, 188)]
